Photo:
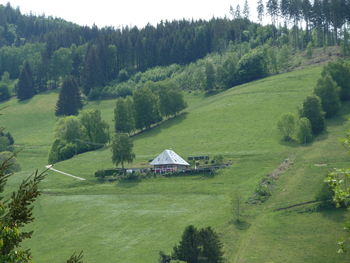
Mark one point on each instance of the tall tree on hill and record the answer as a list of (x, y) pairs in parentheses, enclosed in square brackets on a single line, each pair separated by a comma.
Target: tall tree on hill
[(97, 130), (312, 109), (69, 101), (246, 11), (328, 91), (124, 116), (260, 10), (209, 77), (25, 86), (122, 149), (92, 75), (340, 73), (146, 105)]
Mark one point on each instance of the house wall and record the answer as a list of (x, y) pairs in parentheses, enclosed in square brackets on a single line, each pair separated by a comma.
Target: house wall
[(168, 168)]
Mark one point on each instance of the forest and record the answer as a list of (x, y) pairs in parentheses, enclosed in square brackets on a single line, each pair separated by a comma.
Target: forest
[(52, 49)]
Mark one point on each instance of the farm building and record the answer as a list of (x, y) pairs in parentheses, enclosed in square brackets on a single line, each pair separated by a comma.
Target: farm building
[(168, 161)]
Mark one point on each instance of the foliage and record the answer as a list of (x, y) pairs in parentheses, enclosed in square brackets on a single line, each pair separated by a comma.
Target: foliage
[(124, 116), (122, 149), (97, 130), (9, 162), (209, 77), (286, 126), (304, 131), (4, 92), (252, 66), (69, 101), (76, 135), (25, 86), (340, 73), (312, 110), (70, 129), (146, 105), (218, 159), (199, 246), (328, 91)]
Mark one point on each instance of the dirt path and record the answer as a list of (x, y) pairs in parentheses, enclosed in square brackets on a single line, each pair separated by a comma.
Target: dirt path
[(67, 174)]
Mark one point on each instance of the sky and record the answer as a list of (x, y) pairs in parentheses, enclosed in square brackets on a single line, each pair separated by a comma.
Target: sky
[(128, 12)]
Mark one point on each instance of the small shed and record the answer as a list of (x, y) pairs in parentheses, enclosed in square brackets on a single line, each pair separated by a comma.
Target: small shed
[(169, 161)]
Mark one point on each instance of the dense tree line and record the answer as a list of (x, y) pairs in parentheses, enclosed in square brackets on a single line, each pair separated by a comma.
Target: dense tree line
[(147, 106), (95, 56)]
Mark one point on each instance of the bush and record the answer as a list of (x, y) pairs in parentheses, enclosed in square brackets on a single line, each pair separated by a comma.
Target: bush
[(312, 110), (286, 126), (252, 66), (106, 172), (325, 196), (218, 159), (4, 93), (304, 132)]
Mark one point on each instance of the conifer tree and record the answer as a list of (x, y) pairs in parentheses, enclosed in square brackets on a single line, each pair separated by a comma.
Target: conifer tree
[(92, 75), (246, 11), (25, 86), (260, 9), (69, 101)]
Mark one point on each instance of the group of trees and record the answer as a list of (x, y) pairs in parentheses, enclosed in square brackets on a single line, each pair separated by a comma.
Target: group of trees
[(331, 89), (196, 245), (78, 134), (55, 49), (147, 106)]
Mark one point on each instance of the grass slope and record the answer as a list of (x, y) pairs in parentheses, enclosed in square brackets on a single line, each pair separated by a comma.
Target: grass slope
[(131, 222)]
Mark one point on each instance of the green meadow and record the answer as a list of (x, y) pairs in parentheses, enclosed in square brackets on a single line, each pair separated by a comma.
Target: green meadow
[(132, 221)]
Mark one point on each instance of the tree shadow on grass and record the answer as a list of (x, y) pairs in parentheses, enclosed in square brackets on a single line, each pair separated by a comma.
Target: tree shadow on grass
[(161, 126), (128, 183), (241, 225), (291, 143), (334, 214)]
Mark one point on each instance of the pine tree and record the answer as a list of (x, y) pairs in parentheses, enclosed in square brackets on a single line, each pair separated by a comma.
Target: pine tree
[(69, 101), (246, 11), (260, 9), (92, 75), (209, 77), (25, 86)]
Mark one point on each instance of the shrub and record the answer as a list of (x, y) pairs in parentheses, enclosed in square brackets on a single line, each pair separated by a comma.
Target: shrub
[(304, 132), (4, 92), (286, 126), (325, 196), (312, 110)]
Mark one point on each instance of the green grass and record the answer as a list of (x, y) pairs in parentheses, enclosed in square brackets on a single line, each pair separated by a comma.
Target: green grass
[(132, 222)]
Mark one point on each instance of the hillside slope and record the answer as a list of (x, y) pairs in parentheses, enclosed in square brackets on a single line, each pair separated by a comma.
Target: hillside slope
[(131, 222)]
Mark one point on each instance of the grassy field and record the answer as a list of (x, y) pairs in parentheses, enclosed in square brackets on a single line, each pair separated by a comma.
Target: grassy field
[(132, 222)]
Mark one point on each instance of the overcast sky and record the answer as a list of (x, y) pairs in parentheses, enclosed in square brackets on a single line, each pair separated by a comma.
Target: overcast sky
[(128, 12)]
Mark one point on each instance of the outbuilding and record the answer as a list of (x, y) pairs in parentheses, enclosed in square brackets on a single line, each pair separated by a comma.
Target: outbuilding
[(169, 161)]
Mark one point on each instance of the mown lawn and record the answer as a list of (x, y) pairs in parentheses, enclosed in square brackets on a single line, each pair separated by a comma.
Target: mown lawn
[(132, 222)]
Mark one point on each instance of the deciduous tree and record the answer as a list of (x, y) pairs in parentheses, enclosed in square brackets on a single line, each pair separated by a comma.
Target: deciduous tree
[(122, 149)]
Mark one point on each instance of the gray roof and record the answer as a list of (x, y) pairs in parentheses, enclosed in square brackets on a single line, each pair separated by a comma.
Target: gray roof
[(168, 157)]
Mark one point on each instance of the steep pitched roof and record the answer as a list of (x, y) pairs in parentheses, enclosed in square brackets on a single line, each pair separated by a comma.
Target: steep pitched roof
[(169, 157)]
